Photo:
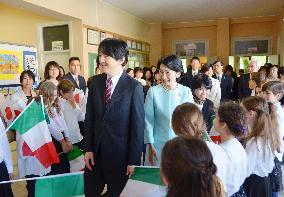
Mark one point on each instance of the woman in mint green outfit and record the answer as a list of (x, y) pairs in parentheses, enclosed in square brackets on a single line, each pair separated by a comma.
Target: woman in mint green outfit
[(160, 103)]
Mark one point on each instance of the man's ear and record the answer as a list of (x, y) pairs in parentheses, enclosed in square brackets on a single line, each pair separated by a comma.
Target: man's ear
[(122, 60)]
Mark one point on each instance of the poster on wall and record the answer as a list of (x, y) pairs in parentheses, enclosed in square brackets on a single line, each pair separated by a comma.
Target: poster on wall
[(13, 60)]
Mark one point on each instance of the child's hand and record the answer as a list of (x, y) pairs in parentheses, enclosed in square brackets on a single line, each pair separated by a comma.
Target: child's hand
[(72, 102), (65, 146), (69, 144)]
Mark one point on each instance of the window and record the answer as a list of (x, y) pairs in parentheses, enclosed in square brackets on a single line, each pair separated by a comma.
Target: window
[(55, 35)]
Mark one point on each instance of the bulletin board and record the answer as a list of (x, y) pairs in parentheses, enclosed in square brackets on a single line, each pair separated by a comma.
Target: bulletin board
[(92, 63), (13, 60)]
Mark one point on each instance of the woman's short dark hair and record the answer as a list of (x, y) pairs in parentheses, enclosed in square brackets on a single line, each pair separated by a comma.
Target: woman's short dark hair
[(29, 73), (114, 48), (206, 67), (172, 62), (98, 60), (200, 80), (138, 69), (62, 69), (47, 67)]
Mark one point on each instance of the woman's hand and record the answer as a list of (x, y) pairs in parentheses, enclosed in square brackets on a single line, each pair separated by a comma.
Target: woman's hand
[(152, 154)]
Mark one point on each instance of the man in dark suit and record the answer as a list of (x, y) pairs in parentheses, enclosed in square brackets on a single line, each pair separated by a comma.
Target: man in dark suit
[(226, 81), (246, 86), (74, 74), (114, 124), (187, 77)]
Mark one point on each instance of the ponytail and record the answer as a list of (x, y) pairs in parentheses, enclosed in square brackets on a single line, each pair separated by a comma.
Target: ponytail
[(275, 133)]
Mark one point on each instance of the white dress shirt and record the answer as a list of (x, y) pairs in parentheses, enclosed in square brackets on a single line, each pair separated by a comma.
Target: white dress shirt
[(142, 81), (280, 118), (215, 92), (260, 157), (237, 165), (114, 81), (5, 152)]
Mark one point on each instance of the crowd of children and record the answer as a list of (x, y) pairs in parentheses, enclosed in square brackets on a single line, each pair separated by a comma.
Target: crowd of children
[(177, 122)]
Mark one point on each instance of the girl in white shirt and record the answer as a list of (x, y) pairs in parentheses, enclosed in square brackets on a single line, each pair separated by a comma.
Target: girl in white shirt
[(261, 142), (57, 127), (71, 110), (187, 120), (6, 164), (230, 122)]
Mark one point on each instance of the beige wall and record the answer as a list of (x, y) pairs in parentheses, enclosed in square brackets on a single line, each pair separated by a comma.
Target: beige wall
[(19, 26), (264, 26), (189, 31), (97, 14), (220, 33)]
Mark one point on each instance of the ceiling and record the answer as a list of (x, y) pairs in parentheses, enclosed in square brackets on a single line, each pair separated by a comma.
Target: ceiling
[(195, 10)]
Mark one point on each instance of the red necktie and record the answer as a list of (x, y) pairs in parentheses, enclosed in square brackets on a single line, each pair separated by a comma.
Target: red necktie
[(108, 91)]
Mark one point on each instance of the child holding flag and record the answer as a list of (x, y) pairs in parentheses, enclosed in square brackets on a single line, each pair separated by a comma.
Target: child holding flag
[(57, 127)]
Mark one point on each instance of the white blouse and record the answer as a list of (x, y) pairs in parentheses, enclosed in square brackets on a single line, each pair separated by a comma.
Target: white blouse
[(215, 93), (57, 125), (220, 160), (260, 157), (71, 117), (280, 118), (237, 165), (5, 152)]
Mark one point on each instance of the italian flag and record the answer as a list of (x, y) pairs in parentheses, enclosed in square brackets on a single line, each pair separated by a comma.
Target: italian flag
[(63, 185), (145, 182), (76, 159), (32, 127)]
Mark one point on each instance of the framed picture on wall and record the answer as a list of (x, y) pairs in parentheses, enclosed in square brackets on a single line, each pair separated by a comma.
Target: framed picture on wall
[(133, 45), (92, 37)]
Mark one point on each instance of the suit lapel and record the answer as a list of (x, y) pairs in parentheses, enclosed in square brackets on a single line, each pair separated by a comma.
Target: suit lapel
[(73, 80)]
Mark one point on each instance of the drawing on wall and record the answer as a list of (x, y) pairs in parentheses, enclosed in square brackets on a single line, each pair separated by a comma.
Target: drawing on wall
[(13, 60), (10, 64)]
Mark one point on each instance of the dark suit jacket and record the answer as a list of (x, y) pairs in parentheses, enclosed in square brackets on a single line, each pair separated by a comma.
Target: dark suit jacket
[(208, 113), (82, 82), (226, 87), (187, 79), (243, 86), (115, 134)]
